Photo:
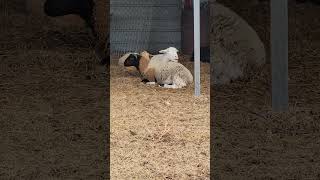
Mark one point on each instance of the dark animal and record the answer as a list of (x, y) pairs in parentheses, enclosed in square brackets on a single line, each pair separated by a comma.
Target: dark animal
[(204, 54), (96, 15)]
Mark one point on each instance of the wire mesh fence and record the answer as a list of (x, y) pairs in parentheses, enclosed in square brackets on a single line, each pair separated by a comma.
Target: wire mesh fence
[(144, 25)]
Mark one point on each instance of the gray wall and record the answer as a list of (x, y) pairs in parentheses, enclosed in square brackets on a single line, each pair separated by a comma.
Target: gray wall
[(145, 25)]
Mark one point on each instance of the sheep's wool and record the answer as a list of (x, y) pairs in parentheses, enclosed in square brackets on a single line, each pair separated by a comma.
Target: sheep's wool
[(238, 50), (173, 72)]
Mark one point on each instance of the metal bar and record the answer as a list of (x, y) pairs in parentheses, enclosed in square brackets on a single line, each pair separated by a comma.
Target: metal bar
[(196, 27), (279, 54)]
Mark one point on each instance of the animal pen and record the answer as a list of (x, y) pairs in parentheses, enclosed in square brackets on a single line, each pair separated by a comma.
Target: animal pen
[(151, 126), (152, 26), (155, 25), (49, 109)]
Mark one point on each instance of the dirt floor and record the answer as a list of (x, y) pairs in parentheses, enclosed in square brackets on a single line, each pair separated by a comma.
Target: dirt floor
[(159, 133), (248, 140), (53, 102)]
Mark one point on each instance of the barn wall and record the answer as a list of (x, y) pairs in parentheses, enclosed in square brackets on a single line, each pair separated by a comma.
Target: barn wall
[(145, 24), (187, 28), (12, 6)]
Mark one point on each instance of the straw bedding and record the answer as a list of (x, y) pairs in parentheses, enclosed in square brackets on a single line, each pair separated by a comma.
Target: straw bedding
[(249, 140), (53, 98)]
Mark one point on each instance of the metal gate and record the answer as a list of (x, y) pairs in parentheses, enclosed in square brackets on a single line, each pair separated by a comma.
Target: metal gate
[(144, 25)]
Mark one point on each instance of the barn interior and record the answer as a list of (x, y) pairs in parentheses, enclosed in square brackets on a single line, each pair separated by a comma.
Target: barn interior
[(156, 133), (53, 107)]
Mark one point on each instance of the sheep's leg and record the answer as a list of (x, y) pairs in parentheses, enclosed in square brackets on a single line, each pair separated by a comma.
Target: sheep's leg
[(171, 86), (149, 75), (146, 81), (162, 85)]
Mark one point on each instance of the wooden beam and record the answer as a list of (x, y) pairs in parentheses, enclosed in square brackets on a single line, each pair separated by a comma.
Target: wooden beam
[(279, 54), (196, 28)]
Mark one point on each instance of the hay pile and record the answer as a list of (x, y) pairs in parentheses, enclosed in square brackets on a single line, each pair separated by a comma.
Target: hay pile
[(52, 114), (159, 133)]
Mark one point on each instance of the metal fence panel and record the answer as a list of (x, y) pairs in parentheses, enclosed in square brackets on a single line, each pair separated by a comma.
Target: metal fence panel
[(144, 25)]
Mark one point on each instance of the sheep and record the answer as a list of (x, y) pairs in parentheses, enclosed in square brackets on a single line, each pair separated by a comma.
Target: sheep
[(169, 54), (96, 15), (167, 74), (237, 50), (130, 69)]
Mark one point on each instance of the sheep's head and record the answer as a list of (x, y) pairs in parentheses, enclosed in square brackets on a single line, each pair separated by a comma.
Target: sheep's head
[(124, 57), (132, 60), (171, 53), (145, 54), (169, 49)]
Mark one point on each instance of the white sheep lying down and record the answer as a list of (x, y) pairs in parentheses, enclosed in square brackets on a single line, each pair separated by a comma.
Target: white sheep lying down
[(169, 54), (238, 51), (163, 69)]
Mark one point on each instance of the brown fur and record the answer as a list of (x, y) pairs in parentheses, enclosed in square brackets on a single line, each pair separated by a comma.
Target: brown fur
[(144, 61), (147, 73)]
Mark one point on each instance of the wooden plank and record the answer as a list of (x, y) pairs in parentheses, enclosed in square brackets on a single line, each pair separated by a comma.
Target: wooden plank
[(196, 27), (279, 54)]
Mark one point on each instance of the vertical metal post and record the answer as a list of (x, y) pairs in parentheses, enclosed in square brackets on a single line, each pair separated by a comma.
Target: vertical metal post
[(279, 54), (196, 28)]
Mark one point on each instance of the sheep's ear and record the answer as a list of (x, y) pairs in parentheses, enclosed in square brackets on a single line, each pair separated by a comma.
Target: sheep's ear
[(163, 51), (175, 49)]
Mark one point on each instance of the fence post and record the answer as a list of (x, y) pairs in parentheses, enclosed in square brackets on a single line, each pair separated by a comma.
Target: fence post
[(196, 27), (279, 54)]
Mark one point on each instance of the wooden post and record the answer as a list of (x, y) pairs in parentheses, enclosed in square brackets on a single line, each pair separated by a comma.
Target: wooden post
[(196, 27), (279, 54)]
